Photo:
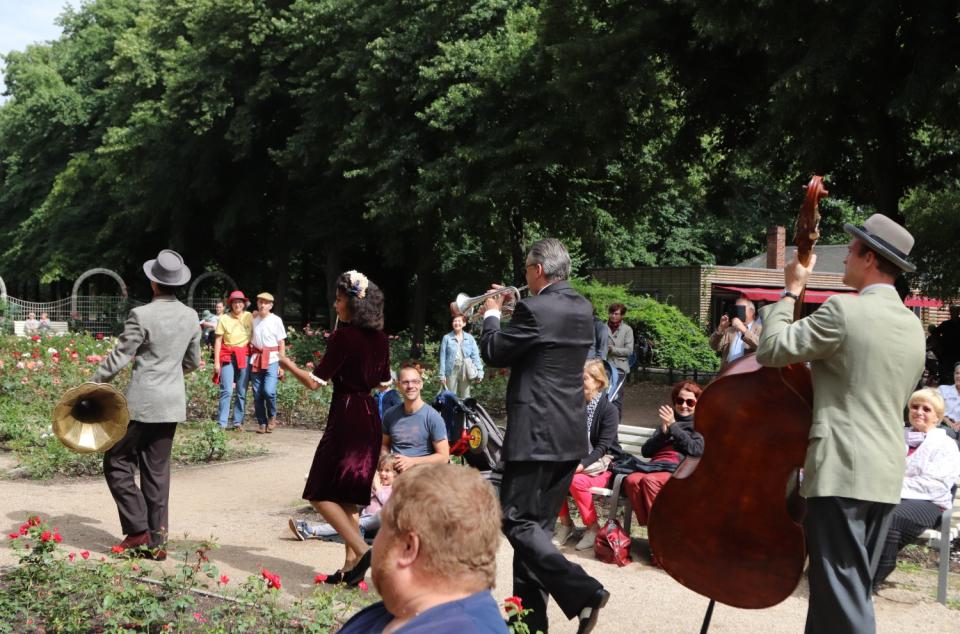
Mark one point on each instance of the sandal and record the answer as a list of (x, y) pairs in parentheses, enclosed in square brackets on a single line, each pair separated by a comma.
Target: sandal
[(355, 575)]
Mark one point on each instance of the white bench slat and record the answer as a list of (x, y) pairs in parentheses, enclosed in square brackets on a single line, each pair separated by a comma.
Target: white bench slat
[(56, 327)]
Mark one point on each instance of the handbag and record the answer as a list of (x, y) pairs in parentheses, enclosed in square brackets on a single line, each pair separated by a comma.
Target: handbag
[(469, 368), (612, 545), (598, 467)]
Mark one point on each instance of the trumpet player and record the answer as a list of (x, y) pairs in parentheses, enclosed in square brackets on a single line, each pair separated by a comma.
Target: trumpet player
[(545, 345), (163, 341)]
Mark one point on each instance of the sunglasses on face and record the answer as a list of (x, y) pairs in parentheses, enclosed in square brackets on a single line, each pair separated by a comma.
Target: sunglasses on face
[(691, 402)]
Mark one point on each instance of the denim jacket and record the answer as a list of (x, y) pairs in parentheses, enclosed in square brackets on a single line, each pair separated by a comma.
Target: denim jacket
[(448, 353)]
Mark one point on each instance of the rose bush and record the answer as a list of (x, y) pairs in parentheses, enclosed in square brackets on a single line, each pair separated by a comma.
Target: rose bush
[(55, 590), (34, 373)]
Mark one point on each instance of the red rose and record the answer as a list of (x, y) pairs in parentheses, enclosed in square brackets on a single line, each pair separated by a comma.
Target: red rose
[(363, 586), (515, 601), (24, 528), (85, 554), (45, 536), (72, 556), (117, 549), (320, 578), (273, 581), (35, 338), (56, 536), (34, 521), (99, 336), (224, 579), (13, 535)]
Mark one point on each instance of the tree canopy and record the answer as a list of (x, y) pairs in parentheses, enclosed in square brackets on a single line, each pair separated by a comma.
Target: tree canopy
[(426, 143)]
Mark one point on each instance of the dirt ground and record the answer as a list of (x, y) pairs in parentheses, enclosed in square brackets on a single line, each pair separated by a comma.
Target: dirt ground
[(245, 507)]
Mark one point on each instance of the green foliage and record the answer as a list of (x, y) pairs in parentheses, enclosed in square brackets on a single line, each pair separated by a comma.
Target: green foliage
[(676, 339), (935, 223), (53, 590)]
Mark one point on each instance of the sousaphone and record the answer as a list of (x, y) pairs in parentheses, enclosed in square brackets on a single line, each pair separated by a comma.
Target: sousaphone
[(91, 417)]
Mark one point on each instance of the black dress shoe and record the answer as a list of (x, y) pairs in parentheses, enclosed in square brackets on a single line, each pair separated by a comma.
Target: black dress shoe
[(355, 575), (335, 578), (591, 611)]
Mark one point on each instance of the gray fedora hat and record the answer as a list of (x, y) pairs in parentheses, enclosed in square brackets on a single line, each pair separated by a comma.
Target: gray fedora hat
[(167, 269), (887, 238)]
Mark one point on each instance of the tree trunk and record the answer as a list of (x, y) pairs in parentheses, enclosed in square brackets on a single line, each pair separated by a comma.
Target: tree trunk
[(333, 272), (884, 169), (518, 255), (420, 287)]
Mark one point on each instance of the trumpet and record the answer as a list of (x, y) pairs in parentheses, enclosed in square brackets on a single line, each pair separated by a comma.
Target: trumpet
[(467, 306)]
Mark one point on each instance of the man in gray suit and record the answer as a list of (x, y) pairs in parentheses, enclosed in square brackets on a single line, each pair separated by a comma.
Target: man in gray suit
[(163, 341), (866, 354)]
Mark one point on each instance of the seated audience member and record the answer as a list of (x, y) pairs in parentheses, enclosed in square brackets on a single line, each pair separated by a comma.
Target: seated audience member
[(602, 423), (30, 325), (208, 326), (387, 396), (951, 397), (369, 515), (435, 557), (414, 431), (673, 441), (44, 326), (933, 467)]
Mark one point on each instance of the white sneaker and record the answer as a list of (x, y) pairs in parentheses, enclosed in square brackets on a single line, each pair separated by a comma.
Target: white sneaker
[(589, 538), (563, 533)]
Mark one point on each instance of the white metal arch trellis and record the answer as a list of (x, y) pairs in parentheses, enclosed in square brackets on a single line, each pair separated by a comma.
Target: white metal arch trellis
[(89, 273), (203, 276)]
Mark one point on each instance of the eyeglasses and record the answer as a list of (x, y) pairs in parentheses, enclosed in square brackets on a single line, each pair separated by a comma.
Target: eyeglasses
[(691, 402)]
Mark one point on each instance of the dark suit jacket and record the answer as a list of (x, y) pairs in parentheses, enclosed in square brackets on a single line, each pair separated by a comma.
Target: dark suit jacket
[(545, 346)]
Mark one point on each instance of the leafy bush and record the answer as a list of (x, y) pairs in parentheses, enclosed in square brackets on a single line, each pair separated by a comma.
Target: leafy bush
[(677, 341), (53, 590)]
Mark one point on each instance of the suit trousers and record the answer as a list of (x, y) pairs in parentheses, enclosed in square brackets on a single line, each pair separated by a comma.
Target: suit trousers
[(146, 446), (531, 495), (844, 540)]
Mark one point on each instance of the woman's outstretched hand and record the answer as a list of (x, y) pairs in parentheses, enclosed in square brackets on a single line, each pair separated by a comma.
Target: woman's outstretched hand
[(667, 417)]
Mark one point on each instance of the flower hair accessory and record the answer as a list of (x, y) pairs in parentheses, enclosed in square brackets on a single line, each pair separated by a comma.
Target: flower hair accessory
[(358, 284)]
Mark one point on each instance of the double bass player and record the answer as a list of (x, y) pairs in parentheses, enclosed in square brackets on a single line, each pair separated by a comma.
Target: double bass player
[(866, 354)]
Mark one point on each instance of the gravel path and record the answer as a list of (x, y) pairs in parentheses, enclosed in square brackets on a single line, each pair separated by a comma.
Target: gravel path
[(245, 505)]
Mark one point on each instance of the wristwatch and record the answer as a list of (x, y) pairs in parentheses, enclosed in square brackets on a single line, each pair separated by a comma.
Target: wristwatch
[(786, 293)]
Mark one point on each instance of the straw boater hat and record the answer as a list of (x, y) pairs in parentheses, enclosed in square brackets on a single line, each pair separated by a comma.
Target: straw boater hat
[(167, 269), (887, 238)]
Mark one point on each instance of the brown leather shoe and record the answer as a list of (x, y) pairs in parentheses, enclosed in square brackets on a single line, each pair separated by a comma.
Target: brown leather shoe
[(132, 542)]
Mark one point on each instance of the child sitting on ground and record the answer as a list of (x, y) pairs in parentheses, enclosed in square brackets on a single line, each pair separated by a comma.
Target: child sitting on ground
[(369, 516)]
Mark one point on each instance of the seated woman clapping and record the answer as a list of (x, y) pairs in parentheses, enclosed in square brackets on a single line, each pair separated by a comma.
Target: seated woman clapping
[(933, 467), (674, 440), (602, 423)]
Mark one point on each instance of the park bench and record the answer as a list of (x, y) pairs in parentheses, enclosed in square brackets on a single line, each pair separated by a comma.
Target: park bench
[(56, 327), (935, 539), (631, 441)]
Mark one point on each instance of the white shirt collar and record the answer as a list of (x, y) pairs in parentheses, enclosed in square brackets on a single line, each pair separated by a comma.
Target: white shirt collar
[(877, 285)]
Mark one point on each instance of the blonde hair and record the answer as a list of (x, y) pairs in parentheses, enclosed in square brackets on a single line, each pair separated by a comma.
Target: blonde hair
[(387, 461), (932, 398), (598, 373), (456, 515)]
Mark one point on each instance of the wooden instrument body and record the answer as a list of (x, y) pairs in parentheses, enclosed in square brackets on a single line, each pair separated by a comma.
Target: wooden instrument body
[(730, 530)]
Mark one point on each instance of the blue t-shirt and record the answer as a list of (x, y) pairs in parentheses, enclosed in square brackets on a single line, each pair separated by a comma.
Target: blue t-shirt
[(413, 434), (475, 614)]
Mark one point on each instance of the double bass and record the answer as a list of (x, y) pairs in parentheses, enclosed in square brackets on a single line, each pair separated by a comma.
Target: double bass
[(728, 525)]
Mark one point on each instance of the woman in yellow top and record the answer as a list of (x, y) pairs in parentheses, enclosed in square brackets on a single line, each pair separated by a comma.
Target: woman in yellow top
[(231, 357)]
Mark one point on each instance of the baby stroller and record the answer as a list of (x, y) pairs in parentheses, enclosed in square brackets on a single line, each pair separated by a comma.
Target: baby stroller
[(472, 434)]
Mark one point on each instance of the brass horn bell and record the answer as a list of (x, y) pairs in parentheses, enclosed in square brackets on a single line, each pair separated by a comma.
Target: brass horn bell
[(91, 417)]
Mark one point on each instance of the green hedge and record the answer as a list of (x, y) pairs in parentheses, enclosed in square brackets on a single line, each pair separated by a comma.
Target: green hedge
[(677, 341)]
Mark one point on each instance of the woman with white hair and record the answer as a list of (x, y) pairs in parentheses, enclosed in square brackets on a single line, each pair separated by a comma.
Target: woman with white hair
[(933, 467)]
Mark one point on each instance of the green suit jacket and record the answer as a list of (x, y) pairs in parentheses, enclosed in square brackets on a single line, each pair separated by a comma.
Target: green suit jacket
[(866, 354)]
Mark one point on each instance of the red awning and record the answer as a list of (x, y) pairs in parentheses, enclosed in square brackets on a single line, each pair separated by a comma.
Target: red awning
[(813, 296)]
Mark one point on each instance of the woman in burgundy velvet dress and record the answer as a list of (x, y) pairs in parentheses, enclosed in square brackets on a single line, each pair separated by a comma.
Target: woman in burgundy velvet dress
[(357, 359)]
